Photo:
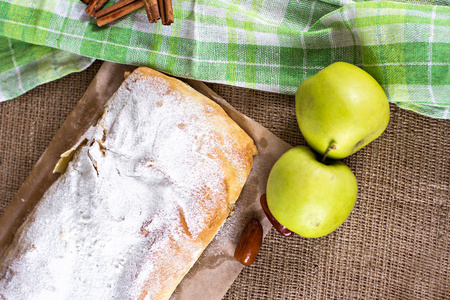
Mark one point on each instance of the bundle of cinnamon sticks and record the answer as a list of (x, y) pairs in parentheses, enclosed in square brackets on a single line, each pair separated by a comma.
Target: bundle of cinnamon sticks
[(155, 9)]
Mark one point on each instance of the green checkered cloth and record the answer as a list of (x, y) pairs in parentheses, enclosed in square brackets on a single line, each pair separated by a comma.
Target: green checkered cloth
[(258, 44)]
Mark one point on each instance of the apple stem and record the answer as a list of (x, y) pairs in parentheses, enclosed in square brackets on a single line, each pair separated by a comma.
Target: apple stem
[(332, 147)]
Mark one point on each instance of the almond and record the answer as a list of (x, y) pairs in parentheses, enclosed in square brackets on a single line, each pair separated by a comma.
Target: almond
[(251, 239)]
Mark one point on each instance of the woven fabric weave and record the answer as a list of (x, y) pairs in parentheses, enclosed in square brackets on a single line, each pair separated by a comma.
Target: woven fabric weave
[(264, 45), (395, 244)]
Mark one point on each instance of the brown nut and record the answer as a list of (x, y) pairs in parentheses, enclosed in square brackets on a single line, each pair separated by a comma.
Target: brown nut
[(251, 239), (280, 228)]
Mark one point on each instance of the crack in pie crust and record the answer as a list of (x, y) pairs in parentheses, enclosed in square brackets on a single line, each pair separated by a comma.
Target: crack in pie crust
[(147, 189)]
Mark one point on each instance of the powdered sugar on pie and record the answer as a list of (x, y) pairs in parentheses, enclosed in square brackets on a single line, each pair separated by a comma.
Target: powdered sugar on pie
[(138, 203)]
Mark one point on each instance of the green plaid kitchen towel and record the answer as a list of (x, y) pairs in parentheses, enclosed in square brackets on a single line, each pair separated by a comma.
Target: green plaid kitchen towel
[(259, 44)]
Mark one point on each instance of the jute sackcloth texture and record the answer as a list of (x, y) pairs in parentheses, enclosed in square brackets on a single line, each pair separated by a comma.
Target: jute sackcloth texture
[(395, 244)]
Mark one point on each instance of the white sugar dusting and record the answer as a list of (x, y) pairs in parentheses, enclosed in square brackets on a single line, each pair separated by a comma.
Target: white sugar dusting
[(100, 231)]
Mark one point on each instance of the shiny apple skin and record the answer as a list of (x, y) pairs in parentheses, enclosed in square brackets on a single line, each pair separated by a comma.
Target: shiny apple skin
[(342, 105), (309, 197)]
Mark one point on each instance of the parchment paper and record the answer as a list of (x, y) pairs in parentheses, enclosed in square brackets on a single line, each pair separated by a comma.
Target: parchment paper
[(216, 269)]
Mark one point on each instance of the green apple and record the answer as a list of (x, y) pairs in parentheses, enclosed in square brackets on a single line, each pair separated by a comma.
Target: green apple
[(310, 197), (341, 105)]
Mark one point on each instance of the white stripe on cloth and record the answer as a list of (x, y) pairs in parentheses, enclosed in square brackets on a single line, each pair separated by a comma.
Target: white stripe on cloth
[(2, 97), (446, 112), (430, 54), (16, 67), (311, 13)]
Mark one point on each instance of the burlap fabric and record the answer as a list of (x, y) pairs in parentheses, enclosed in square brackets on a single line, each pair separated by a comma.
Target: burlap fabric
[(395, 244)]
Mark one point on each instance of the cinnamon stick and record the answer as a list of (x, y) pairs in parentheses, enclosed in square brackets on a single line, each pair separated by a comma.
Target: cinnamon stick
[(85, 1), (155, 9), (94, 6), (168, 9), (119, 13), (111, 8), (152, 10), (161, 9), (165, 7)]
